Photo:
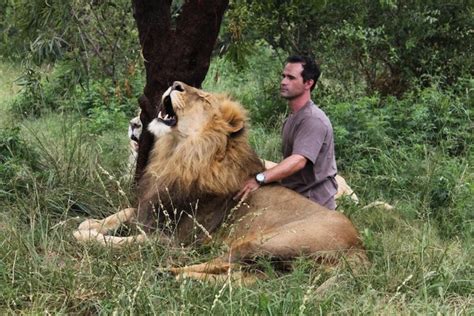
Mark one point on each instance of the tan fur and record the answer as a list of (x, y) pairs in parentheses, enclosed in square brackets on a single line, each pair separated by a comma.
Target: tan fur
[(196, 169), (198, 151)]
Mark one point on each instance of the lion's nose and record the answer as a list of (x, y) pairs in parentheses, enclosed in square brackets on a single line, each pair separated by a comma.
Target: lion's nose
[(178, 86)]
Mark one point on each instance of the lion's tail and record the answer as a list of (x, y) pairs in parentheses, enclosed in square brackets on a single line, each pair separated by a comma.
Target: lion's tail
[(379, 204)]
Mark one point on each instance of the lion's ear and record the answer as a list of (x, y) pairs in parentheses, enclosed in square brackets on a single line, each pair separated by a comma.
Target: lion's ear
[(236, 126), (234, 115)]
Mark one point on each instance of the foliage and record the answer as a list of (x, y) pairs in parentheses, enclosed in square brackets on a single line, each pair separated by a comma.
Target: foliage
[(95, 51), (426, 120), (422, 142), (96, 36), (254, 86), (102, 102), (391, 45), (34, 98), (17, 159)]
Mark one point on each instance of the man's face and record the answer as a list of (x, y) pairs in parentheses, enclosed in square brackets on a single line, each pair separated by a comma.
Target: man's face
[(292, 85)]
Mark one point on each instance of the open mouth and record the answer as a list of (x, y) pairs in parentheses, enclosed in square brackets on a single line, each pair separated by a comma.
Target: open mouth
[(167, 114)]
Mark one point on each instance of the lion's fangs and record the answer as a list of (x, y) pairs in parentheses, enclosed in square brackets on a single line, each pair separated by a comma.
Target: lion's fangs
[(168, 120)]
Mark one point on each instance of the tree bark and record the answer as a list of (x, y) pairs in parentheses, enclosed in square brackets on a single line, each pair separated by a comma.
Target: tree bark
[(172, 50)]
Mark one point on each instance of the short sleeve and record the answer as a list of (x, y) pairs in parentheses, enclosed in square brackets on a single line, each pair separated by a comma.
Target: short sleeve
[(309, 138)]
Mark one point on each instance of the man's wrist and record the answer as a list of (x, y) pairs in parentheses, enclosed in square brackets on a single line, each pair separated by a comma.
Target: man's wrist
[(260, 178)]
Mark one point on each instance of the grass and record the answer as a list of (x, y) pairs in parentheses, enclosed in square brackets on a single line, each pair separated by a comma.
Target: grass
[(8, 74), (412, 272), (416, 267)]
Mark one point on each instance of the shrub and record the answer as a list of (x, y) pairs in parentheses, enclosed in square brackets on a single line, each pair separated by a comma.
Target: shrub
[(416, 148), (101, 101), (17, 159), (255, 86)]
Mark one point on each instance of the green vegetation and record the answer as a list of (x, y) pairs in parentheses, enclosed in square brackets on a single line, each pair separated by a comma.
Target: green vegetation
[(64, 151), (8, 73)]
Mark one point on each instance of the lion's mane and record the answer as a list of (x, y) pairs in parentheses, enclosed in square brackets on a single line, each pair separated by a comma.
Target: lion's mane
[(214, 161)]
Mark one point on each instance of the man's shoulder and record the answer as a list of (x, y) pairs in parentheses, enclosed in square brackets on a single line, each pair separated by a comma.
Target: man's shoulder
[(313, 112)]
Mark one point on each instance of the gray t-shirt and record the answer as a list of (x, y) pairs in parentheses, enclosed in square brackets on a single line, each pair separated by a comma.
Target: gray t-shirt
[(309, 133)]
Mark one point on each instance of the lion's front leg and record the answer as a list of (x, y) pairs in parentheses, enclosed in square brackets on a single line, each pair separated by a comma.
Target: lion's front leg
[(97, 230), (146, 218), (113, 241), (239, 277), (215, 266), (110, 223), (216, 271)]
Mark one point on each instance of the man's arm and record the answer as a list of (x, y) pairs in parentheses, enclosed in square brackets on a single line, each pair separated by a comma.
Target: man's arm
[(285, 168), (290, 165)]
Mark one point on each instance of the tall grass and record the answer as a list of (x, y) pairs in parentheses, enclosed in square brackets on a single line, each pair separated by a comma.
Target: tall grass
[(58, 169), (8, 74)]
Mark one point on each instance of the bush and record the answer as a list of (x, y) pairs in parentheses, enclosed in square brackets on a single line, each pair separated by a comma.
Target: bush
[(387, 47), (416, 149), (256, 86), (430, 119), (17, 159), (102, 102)]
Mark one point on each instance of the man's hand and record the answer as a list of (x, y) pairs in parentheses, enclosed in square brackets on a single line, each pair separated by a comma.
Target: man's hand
[(249, 186)]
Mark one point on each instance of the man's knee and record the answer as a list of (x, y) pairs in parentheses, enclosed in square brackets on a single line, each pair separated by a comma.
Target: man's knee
[(330, 204)]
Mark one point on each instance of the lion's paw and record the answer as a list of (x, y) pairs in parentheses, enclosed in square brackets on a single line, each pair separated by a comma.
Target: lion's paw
[(83, 235), (93, 225)]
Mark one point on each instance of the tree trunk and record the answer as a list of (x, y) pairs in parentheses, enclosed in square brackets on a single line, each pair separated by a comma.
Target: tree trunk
[(177, 49)]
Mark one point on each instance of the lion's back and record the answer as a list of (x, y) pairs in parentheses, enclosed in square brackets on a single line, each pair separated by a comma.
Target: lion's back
[(274, 210)]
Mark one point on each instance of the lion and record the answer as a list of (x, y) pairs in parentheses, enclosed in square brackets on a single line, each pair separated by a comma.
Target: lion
[(134, 131), (200, 159)]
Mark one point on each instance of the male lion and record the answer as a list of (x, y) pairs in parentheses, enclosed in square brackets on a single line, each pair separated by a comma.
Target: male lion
[(198, 163)]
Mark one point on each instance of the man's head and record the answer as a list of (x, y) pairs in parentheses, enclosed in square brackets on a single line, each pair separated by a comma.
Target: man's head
[(299, 76)]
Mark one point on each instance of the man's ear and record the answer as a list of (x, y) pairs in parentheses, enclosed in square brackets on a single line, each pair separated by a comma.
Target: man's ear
[(309, 83)]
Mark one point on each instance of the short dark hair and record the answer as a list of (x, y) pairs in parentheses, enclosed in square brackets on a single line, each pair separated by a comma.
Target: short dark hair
[(310, 67)]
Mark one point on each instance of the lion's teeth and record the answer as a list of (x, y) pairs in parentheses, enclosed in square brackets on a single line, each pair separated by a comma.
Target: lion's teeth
[(160, 116), (166, 116)]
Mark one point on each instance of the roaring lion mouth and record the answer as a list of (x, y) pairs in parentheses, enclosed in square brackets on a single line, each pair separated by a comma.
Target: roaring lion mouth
[(169, 116)]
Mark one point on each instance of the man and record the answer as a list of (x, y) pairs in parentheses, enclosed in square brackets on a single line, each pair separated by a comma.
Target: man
[(309, 165)]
